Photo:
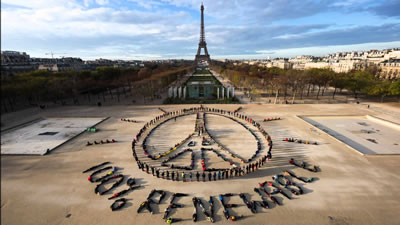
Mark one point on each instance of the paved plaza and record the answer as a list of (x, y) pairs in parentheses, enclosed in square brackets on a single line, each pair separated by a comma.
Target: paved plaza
[(43, 135), (366, 134), (351, 188)]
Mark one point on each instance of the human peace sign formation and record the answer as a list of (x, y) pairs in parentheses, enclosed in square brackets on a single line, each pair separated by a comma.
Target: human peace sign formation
[(158, 164)]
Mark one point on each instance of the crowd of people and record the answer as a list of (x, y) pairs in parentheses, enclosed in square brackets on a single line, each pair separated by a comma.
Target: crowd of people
[(281, 184), (271, 119), (144, 142), (259, 147), (175, 175), (295, 140), (197, 202), (238, 109), (305, 166), (172, 166), (129, 120), (219, 155), (110, 174), (101, 142), (211, 174)]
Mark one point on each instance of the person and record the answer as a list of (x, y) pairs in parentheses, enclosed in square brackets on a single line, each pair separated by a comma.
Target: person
[(219, 175), (234, 218), (173, 176), (209, 176), (171, 220), (197, 176), (215, 176), (145, 204), (306, 179), (183, 177), (315, 169), (190, 176), (204, 176), (167, 173), (142, 166)]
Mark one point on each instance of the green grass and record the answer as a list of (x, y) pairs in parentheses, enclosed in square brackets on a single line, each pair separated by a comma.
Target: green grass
[(203, 78), (202, 72)]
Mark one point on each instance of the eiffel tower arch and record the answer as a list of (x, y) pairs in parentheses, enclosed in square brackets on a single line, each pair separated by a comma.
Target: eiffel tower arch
[(202, 44)]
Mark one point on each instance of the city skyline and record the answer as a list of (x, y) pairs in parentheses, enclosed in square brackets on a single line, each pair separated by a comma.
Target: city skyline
[(138, 29)]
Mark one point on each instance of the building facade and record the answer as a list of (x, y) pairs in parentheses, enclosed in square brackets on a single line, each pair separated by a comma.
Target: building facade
[(389, 69)]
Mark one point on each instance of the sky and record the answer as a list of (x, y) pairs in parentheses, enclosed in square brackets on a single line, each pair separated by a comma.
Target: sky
[(163, 29)]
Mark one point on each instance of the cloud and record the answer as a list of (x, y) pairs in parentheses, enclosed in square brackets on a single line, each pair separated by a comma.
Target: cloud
[(40, 4), (170, 28), (365, 34), (149, 4), (102, 2), (387, 9)]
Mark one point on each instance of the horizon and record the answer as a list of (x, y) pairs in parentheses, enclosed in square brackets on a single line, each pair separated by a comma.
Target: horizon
[(221, 57), (169, 29)]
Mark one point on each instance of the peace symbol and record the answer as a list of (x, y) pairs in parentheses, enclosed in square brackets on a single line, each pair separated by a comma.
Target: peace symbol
[(153, 155)]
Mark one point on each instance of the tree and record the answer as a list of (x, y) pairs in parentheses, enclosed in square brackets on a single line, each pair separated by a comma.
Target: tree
[(302, 82), (395, 88), (275, 79), (308, 75), (338, 82), (295, 80), (327, 77), (380, 87), (358, 81), (144, 73), (373, 69), (318, 78), (108, 73)]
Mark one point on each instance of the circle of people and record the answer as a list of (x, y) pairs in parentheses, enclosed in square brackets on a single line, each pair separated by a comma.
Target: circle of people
[(208, 174)]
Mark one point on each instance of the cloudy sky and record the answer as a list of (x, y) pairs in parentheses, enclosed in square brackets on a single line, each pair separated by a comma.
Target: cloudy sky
[(153, 29)]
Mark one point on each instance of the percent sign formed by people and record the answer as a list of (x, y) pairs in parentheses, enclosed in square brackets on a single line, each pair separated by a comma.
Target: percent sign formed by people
[(199, 143)]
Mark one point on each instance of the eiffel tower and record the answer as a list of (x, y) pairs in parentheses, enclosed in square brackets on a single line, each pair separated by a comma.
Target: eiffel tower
[(202, 43)]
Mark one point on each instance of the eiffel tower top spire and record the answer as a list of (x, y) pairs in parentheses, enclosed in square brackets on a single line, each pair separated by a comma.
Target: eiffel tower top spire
[(202, 35), (202, 42)]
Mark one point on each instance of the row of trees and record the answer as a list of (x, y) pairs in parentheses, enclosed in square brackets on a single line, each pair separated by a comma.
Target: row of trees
[(38, 87), (300, 82)]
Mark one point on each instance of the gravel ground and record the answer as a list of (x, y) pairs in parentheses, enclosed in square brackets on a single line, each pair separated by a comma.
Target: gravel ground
[(350, 189)]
